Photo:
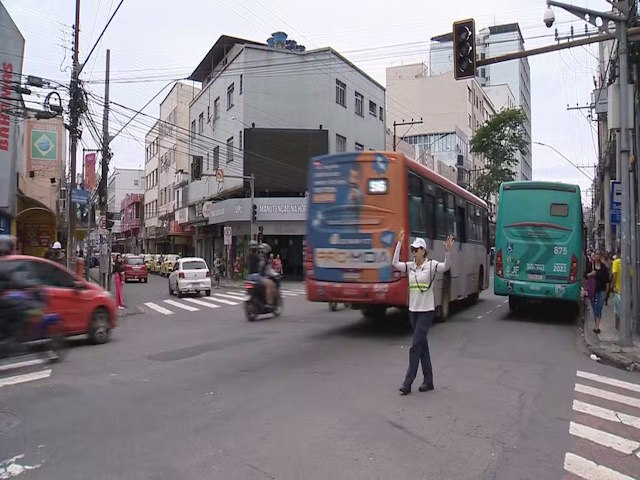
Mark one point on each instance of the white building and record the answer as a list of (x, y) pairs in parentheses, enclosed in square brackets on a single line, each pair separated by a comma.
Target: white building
[(451, 111), (121, 182), (167, 147), (266, 110), (492, 42)]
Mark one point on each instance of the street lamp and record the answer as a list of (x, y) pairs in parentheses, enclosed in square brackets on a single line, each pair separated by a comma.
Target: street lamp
[(565, 158)]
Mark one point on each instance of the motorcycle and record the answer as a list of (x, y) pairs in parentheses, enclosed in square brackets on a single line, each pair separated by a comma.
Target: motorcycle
[(27, 329), (255, 303)]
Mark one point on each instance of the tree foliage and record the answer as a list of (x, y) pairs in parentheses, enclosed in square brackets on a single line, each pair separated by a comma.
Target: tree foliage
[(498, 141)]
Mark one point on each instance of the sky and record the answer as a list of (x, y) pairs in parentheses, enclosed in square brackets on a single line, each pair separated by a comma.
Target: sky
[(155, 41)]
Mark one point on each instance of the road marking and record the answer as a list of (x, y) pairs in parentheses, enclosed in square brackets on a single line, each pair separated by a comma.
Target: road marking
[(634, 387), (200, 302), (158, 308), (181, 305), (605, 439), (289, 294), (220, 300), (478, 317), (606, 414), (26, 377), (294, 290), (488, 312), (235, 295), (614, 397), (589, 470), (500, 305), (232, 297), (26, 363)]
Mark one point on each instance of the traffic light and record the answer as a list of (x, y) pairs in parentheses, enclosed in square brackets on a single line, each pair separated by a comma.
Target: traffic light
[(464, 49), (110, 219), (254, 212)]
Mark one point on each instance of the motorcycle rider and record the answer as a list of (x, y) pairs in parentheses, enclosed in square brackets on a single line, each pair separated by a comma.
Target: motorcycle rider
[(269, 276)]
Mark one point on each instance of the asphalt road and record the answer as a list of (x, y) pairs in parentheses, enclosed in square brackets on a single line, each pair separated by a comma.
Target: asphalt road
[(204, 394)]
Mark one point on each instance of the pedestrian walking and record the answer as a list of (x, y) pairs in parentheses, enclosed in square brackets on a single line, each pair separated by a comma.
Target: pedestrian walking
[(118, 280), (421, 275), (217, 269), (277, 265), (599, 272)]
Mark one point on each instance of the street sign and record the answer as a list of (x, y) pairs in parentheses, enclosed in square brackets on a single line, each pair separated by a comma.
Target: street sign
[(227, 235), (219, 175), (616, 202), (102, 224), (80, 196)]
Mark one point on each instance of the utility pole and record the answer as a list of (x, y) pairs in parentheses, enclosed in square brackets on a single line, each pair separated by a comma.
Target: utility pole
[(74, 109), (399, 124), (601, 20), (105, 254)]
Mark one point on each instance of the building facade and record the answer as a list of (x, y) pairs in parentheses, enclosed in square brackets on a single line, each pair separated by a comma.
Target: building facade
[(123, 181), (491, 42), (451, 111), (265, 110)]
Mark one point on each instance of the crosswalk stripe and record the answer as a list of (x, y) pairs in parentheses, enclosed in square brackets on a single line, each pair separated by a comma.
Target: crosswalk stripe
[(26, 377), (614, 397), (605, 439), (181, 305), (232, 297), (220, 300), (606, 414), (634, 387), (288, 294), (27, 363), (239, 296), (158, 308), (200, 302), (295, 290), (588, 470)]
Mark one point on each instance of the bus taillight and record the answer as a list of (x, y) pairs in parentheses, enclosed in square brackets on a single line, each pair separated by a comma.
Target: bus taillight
[(499, 265), (573, 271)]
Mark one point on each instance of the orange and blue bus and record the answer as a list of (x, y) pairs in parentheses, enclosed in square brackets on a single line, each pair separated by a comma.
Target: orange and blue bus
[(359, 202)]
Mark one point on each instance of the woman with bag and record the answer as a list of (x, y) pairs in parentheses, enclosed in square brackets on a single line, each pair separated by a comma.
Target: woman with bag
[(599, 276), (118, 280), (421, 275)]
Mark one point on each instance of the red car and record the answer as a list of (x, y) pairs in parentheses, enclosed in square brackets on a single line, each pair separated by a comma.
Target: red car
[(84, 307), (135, 268)]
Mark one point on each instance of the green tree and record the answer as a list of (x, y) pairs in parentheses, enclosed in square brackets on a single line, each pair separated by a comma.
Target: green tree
[(498, 141)]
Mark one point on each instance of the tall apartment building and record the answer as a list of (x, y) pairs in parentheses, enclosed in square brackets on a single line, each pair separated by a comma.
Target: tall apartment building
[(121, 182), (265, 109), (491, 42), (167, 147)]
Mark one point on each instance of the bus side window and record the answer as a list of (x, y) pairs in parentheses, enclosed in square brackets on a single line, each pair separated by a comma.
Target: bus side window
[(452, 228), (430, 210), (441, 215), (417, 213), (462, 234)]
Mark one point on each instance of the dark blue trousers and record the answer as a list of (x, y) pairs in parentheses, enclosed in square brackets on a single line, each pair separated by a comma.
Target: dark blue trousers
[(419, 351)]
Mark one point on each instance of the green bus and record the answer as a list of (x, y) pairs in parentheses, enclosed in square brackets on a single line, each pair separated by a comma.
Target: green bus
[(539, 242)]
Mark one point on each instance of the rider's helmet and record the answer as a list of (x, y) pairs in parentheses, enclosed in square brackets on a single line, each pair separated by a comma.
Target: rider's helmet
[(7, 245), (265, 249)]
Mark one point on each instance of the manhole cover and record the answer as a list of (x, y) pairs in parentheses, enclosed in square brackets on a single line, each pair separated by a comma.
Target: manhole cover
[(8, 420)]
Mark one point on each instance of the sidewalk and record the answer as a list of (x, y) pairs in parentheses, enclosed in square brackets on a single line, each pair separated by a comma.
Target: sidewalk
[(605, 345)]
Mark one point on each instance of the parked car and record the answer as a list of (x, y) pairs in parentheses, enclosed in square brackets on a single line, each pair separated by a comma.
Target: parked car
[(190, 275), (154, 264), (147, 261), (169, 262), (84, 307), (135, 269)]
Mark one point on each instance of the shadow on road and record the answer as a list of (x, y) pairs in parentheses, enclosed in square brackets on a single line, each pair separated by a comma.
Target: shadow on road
[(395, 324), (548, 313)]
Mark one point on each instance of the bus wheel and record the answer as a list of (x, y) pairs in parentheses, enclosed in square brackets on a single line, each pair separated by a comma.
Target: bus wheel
[(333, 306), (514, 303)]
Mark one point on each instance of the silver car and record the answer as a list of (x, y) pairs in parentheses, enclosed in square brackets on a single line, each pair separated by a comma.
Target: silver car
[(190, 275)]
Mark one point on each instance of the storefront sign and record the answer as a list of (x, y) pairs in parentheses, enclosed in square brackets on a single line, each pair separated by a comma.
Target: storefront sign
[(269, 210)]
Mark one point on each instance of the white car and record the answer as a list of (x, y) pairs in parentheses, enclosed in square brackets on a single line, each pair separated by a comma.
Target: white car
[(190, 275)]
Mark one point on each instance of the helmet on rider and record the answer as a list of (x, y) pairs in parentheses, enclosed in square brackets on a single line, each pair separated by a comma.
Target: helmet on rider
[(265, 249), (7, 245)]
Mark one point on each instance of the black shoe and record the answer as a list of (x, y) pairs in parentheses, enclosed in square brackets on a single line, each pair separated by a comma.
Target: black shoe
[(405, 390), (426, 387)]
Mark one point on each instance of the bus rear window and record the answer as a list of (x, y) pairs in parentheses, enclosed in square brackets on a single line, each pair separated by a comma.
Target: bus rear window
[(559, 210)]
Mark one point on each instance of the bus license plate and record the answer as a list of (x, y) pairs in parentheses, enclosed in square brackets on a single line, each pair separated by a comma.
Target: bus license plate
[(536, 276)]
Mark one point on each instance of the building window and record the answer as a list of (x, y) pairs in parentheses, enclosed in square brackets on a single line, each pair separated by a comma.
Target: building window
[(341, 143), (359, 147), (136, 183), (469, 120), (359, 104), (470, 96), (230, 150), (230, 96), (208, 165), (240, 93), (208, 113), (216, 158), (240, 140), (341, 93), (201, 122), (373, 108), (381, 114), (193, 129), (216, 109)]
